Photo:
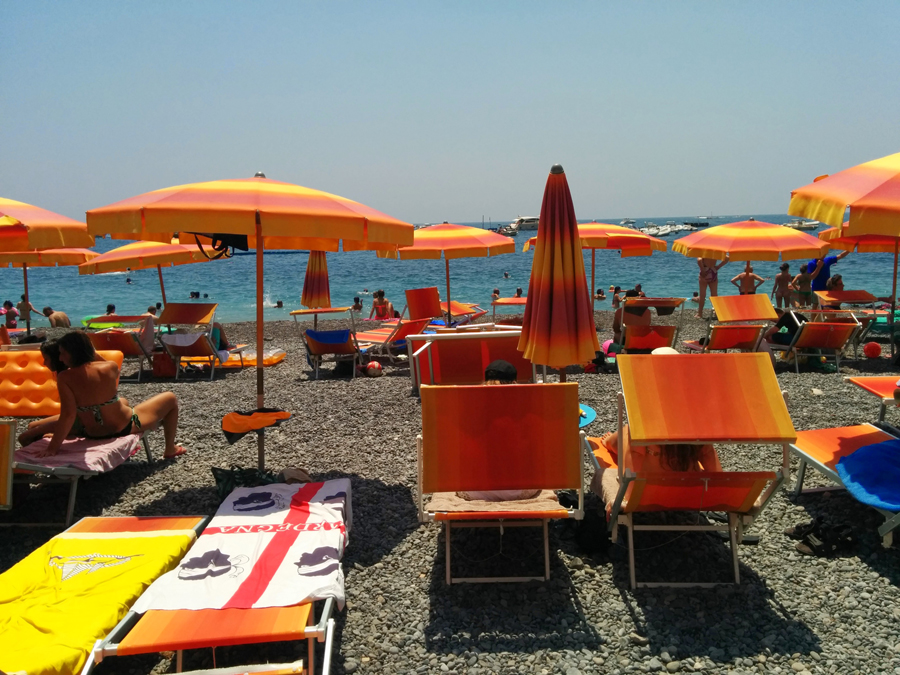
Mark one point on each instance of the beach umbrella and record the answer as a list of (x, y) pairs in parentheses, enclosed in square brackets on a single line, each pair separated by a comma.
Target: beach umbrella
[(558, 327), (316, 291), (452, 241), (629, 242), (53, 257), (750, 240), (255, 213), (141, 255)]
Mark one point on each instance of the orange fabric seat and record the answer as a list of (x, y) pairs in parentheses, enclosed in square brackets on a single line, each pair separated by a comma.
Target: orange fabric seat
[(344, 351), (383, 341), (454, 358), (743, 308), (647, 338), (723, 338), (881, 386), (423, 303)]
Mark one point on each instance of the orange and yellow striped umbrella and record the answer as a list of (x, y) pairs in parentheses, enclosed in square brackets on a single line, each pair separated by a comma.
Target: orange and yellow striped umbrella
[(452, 241), (24, 227), (750, 240), (871, 190), (316, 291), (838, 237), (141, 255), (558, 327)]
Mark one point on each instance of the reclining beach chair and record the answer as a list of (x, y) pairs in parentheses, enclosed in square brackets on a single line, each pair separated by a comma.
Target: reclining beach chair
[(128, 342), (880, 386), (866, 479), (516, 436), (70, 592), (330, 312), (819, 338), (506, 302), (339, 344), (754, 308), (463, 312), (741, 404), (638, 332), (196, 346), (721, 338), (637, 339), (287, 540), (386, 341)]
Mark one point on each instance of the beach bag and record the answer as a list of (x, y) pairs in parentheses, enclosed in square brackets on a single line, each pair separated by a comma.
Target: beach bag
[(163, 365), (229, 479)]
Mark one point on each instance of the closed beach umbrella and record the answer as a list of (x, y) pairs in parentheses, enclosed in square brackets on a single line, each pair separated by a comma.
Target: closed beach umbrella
[(141, 255), (252, 213), (452, 241), (558, 327), (316, 291), (612, 237), (750, 240), (53, 257)]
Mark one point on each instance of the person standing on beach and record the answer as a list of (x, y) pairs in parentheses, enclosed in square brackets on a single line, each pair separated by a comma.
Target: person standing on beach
[(709, 279), (781, 289), (25, 309), (748, 282), (820, 281)]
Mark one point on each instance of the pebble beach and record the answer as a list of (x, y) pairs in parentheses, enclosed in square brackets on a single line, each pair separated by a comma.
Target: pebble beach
[(791, 614)]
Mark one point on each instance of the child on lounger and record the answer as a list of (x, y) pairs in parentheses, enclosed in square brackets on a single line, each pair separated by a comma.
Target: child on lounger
[(499, 372), (649, 459)]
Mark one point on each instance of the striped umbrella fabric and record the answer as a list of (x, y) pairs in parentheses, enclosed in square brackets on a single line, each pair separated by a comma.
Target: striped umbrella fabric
[(24, 227), (750, 240), (316, 292), (558, 327), (871, 190)]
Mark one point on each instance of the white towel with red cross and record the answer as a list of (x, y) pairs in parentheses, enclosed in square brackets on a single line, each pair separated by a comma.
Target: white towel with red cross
[(272, 546)]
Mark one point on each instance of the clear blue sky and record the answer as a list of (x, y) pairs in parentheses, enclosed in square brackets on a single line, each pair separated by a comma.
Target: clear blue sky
[(431, 111)]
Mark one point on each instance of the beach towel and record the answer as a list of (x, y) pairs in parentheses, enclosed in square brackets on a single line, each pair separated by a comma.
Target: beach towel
[(86, 454), (872, 474), (71, 591), (270, 546)]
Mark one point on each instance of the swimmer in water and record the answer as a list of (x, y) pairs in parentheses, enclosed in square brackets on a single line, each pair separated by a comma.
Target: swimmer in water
[(128, 280), (279, 304), (506, 275)]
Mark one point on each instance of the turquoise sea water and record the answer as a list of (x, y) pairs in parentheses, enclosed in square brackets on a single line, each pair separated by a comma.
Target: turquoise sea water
[(231, 283)]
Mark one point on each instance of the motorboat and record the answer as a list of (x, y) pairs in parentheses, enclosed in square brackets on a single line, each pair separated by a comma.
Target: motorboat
[(650, 231), (800, 224), (509, 231), (627, 222), (664, 231), (525, 223)]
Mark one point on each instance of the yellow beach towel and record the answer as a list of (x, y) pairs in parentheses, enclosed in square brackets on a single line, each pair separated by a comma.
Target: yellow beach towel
[(73, 590)]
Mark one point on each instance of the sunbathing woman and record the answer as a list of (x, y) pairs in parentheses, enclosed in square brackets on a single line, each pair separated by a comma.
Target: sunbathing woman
[(649, 459), (90, 406)]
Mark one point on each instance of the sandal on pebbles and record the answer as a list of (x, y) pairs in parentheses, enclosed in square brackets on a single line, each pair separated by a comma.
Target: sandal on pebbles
[(827, 542)]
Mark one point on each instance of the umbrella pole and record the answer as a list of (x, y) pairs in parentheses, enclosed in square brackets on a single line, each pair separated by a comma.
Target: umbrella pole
[(894, 294), (593, 257), (260, 395), (162, 286), (449, 313), (28, 302)]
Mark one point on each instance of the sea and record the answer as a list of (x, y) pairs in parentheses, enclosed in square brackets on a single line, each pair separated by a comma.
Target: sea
[(232, 282)]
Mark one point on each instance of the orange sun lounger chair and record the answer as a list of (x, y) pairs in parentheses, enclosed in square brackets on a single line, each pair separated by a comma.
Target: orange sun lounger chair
[(742, 404), (506, 302), (128, 342), (721, 338), (743, 308), (320, 344), (385, 341), (198, 345), (58, 601), (880, 386), (819, 338), (638, 332), (464, 312), (511, 437), (822, 449)]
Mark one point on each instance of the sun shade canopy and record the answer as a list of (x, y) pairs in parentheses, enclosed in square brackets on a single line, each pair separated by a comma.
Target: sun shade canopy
[(731, 308), (614, 237), (141, 255), (316, 290), (741, 400), (838, 237), (52, 257), (453, 241), (750, 240), (24, 227)]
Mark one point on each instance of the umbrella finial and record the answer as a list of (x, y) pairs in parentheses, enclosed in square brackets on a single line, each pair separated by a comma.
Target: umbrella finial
[(557, 168), (751, 218), (259, 174)]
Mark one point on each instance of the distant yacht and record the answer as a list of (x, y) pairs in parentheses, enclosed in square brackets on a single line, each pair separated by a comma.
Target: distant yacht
[(702, 221), (524, 223), (627, 222), (799, 224)]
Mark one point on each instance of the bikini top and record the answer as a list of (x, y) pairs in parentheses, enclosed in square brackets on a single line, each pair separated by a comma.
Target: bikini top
[(95, 409)]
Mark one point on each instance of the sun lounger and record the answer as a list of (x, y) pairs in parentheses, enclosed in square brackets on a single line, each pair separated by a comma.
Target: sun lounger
[(819, 339), (461, 356), (274, 552), (129, 342), (510, 437), (507, 302), (881, 386), (463, 312), (721, 338), (196, 346), (385, 341), (70, 592), (638, 333), (637, 339), (741, 404), (338, 344), (316, 312), (743, 308), (824, 449)]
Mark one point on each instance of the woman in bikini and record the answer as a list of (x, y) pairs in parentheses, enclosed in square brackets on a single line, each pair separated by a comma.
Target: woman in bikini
[(803, 283), (381, 308), (709, 278), (90, 406)]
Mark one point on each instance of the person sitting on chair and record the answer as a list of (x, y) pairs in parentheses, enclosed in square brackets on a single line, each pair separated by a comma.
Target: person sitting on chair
[(90, 405), (499, 372)]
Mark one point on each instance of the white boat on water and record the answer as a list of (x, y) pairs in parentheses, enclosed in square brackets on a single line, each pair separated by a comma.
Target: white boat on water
[(664, 231), (525, 223), (627, 222), (650, 231), (799, 224), (509, 231)]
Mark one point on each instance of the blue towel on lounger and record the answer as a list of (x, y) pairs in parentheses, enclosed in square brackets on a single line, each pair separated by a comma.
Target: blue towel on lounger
[(872, 474)]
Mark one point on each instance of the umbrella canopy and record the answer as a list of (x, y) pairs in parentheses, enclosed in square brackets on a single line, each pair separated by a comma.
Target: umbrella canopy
[(264, 213), (24, 227), (871, 190), (558, 327), (838, 237), (452, 241), (55, 257), (316, 292), (750, 240), (141, 255)]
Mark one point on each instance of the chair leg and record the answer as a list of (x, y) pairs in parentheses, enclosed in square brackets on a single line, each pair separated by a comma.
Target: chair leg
[(797, 361), (629, 524), (882, 412), (146, 443), (177, 367), (212, 368), (179, 661), (837, 361), (140, 369), (311, 645), (447, 551), (70, 510), (801, 474), (546, 552), (732, 531)]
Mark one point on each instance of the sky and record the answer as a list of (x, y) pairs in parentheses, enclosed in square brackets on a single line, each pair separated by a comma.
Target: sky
[(455, 111)]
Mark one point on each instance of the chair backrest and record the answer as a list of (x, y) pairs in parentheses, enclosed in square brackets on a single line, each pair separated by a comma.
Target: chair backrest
[(734, 308), (121, 341), (188, 344), (501, 437), (7, 450), (405, 328), (187, 314), (28, 388), (824, 335), (636, 316), (648, 337), (423, 303), (459, 308), (731, 492), (463, 360), (320, 343), (744, 337)]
